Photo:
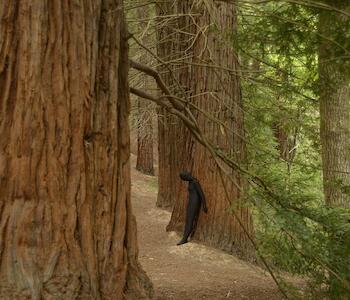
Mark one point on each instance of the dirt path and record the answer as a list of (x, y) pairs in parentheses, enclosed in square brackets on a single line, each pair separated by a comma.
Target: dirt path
[(191, 271)]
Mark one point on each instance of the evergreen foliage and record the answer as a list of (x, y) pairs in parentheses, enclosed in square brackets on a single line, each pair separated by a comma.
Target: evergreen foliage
[(296, 230)]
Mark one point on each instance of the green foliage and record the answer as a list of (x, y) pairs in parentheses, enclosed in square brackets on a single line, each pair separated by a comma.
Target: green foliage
[(295, 230), (298, 233)]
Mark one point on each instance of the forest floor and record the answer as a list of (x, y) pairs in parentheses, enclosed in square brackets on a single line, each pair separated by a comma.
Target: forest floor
[(191, 271)]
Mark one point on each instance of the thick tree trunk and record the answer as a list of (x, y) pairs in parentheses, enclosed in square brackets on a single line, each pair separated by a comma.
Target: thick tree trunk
[(217, 92), (334, 79), (334, 83), (145, 141), (66, 226), (164, 47), (171, 139), (166, 194)]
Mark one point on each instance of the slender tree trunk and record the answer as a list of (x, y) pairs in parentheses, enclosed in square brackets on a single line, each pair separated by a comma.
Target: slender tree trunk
[(217, 92), (144, 161), (145, 142), (286, 142), (66, 226), (334, 79)]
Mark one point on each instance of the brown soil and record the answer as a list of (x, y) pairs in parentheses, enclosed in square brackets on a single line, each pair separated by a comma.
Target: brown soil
[(191, 271)]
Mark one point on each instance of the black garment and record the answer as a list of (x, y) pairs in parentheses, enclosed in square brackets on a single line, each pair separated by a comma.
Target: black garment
[(196, 198)]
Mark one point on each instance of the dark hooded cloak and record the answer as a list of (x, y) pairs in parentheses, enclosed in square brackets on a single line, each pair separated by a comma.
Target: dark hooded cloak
[(196, 199)]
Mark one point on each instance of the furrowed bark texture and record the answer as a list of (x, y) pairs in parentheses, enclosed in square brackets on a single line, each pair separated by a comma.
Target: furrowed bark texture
[(217, 92), (335, 104), (334, 80), (66, 226), (172, 134), (145, 142), (144, 161), (164, 175)]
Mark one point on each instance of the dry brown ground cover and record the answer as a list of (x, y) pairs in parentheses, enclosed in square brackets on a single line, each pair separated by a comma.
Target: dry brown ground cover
[(191, 271)]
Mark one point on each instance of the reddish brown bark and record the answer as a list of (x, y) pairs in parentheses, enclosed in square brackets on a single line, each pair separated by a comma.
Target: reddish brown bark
[(145, 141), (217, 92), (144, 161), (171, 132), (66, 226)]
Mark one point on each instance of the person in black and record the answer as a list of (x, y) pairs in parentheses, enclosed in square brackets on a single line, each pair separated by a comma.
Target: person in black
[(196, 198)]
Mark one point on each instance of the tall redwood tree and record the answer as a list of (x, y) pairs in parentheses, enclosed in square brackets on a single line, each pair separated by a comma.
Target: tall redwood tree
[(206, 74), (145, 159), (66, 226), (172, 134)]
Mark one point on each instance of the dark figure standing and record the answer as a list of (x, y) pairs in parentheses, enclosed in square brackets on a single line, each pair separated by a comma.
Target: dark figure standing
[(196, 198)]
